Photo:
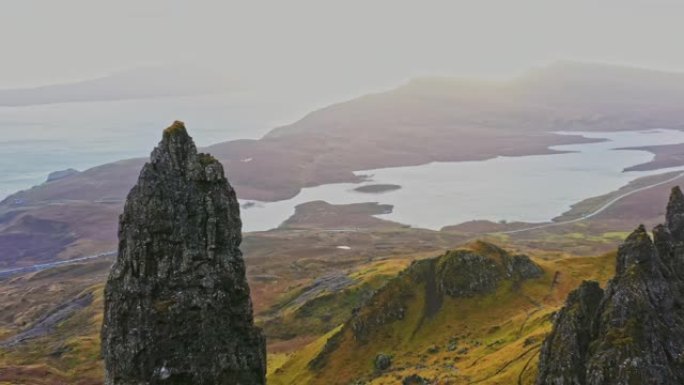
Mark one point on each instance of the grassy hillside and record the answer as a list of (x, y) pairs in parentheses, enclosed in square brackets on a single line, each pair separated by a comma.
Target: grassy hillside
[(490, 337), (52, 321)]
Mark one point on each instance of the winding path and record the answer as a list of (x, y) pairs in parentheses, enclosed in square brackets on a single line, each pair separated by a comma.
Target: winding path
[(595, 212), (605, 206), (43, 266)]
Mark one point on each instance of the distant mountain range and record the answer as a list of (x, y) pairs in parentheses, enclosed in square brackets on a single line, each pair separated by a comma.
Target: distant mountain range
[(424, 121), (377, 303), (137, 83)]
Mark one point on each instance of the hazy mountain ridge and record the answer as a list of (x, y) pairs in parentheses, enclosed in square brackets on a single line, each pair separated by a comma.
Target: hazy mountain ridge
[(456, 120), (138, 83)]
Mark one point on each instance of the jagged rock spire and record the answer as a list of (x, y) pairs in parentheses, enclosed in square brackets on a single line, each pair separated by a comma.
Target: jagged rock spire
[(177, 304), (634, 332), (569, 341), (637, 251), (674, 218)]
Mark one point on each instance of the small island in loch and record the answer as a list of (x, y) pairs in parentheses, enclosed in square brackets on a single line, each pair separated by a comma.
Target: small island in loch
[(377, 188)]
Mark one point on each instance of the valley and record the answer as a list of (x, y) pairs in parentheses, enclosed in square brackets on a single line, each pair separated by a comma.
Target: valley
[(292, 297), (361, 223), (298, 272), (341, 193)]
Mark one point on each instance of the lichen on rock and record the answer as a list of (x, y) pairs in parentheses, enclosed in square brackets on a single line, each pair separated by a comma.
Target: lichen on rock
[(177, 302), (633, 332)]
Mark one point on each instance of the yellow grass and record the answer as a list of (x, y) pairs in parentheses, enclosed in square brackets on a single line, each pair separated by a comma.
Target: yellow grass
[(498, 335)]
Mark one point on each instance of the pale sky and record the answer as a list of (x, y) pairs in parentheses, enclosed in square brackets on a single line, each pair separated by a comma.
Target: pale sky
[(343, 46)]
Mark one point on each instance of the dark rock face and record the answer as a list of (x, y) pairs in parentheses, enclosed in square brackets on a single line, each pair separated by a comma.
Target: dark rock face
[(571, 337), (633, 333), (674, 219), (463, 273), (177, 304), (519, 267), (414, 379)]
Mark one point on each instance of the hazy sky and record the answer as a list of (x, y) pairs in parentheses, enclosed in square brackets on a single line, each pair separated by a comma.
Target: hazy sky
[(331, 45)]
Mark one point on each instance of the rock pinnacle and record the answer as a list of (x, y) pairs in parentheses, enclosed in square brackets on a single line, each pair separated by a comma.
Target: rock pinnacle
[(177, 302)]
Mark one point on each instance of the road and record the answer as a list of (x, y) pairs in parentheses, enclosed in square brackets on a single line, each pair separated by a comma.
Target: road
[(595, 212), (43, 266)]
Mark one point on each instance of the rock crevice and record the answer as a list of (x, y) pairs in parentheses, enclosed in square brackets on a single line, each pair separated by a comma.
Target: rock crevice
[(633, 332), (177, 302)]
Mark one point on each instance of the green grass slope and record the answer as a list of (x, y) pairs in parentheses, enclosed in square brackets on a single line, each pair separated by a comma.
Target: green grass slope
[(448, 320)]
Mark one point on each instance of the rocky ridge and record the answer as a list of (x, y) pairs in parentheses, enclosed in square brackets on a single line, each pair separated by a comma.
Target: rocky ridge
[(633, 331), (177, 302), (477, 269)]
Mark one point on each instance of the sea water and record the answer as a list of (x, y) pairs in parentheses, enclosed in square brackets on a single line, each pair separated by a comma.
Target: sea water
[(533, 188)]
